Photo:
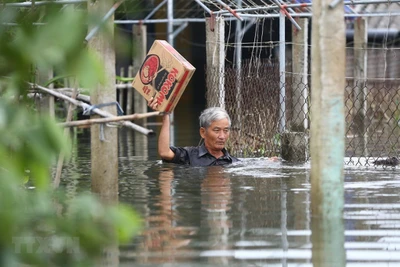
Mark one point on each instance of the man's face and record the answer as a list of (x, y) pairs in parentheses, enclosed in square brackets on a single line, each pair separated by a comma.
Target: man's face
[(216, 135)]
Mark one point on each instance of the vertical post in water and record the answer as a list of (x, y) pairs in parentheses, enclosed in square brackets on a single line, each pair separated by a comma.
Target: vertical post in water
[(52, 108), (129, 93), (46, 102), (139, 102), (360, 88), (238, 61), (284, 224), (170, 38), (300, 76), (140, 51), (104, 140), (215, 53), (294, 142), (327, 133), (282, 70)]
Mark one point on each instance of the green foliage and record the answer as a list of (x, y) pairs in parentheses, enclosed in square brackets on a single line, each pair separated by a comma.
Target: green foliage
[(277, 139), (123, 79), (58, 44), (38, 226), (28, 142), (44, 230)]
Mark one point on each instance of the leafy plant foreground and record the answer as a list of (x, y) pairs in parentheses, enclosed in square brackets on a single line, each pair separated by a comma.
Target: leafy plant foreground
[(38, 226)]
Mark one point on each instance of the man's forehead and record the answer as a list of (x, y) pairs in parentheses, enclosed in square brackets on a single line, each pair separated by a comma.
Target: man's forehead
[(223, 123)]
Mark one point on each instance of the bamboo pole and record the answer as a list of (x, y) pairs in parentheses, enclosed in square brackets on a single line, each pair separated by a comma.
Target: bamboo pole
[(60, 162), (129, 93), (120, 91), (84, 98), (110, 119), (52, 109), (100, 112), (140, 52)]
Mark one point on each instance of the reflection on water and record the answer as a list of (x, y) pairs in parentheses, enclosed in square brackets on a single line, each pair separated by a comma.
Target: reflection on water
[(255, 212)]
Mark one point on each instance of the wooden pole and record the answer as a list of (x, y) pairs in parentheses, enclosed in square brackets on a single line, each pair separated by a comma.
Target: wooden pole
[(215, 53), (104, 140), (60, 162), (110, 119), (327, 133), (52, 108), (120, 91), (140, 52), (46, 103), (81, 97), (129, 93), (139, 103)]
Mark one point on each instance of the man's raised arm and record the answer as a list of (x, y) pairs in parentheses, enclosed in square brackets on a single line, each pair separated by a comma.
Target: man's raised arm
[(164, 149)]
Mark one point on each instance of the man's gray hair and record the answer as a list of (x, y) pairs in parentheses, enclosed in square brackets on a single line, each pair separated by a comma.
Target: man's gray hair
[(213, 114)]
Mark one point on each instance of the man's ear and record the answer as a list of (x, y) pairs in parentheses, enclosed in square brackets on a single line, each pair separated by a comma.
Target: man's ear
[(202, 132)]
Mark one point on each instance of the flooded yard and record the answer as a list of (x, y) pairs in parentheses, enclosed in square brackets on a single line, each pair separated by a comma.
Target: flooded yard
[(256, 212)]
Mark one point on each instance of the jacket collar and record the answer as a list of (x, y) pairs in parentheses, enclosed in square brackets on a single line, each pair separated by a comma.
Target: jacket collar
[(203, 151)]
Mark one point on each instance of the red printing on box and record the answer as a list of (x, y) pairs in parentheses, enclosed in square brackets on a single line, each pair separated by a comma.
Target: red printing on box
[(172, 99)]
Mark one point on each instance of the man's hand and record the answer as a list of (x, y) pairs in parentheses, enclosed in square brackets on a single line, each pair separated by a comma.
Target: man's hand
[(152, 103)]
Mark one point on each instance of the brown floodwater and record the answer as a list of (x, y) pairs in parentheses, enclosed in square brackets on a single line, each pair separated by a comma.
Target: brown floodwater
[(256, 212)]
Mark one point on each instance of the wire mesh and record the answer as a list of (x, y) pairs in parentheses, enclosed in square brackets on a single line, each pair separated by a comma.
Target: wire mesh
[(372, 128), (252, 101), (372, 113)]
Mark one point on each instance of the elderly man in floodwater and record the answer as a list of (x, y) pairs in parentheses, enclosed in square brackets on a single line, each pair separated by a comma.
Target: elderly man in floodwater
[(215, 125)]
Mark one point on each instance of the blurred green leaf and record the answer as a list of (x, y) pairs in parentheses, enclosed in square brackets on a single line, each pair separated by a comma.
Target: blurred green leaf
[(75, 231), (127, 222), (122, 79), (89, 70), (57, 78)]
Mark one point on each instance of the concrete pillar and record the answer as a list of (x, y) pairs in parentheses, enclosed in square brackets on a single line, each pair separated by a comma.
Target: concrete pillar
[(360, 89), (104, 140), (300, 98), (327, 133), (327, 241), (215, 53), (295, 145)]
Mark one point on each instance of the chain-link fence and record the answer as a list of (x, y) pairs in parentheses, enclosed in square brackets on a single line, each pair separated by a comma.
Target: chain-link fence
[(257, 101), (372, 119), (252, 100)]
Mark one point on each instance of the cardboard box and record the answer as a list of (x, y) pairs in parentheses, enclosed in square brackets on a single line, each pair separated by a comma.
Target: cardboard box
[(164, 75)]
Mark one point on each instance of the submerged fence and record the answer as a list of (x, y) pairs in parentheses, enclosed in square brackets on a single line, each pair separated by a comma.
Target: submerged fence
[(252, 98), (373, 129)]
